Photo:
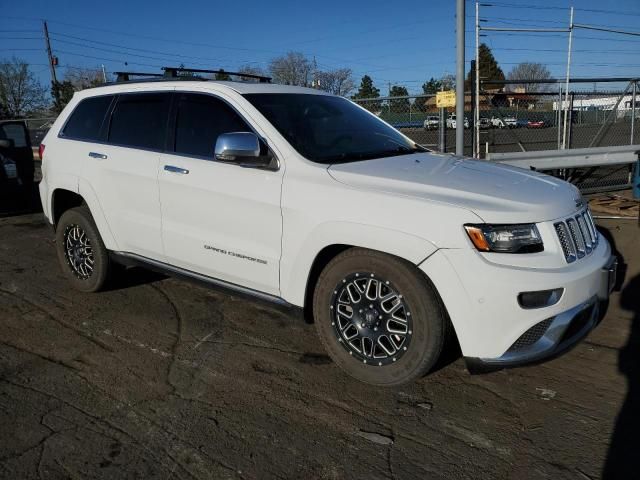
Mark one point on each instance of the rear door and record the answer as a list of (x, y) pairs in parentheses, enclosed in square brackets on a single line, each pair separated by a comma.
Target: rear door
[(20, 150), (218, 219), (122, 170)]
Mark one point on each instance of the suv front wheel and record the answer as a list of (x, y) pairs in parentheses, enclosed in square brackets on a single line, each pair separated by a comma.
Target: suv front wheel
[(378, 317), (82, 255)]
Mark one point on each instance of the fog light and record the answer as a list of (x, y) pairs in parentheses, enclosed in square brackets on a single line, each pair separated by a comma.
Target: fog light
[(541, 298)]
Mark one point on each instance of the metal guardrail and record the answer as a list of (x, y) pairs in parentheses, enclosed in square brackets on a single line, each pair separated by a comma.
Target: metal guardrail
[(597, 169), (574, 158)]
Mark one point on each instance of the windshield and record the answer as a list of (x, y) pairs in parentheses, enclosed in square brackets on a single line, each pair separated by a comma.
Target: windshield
[(328, 129)]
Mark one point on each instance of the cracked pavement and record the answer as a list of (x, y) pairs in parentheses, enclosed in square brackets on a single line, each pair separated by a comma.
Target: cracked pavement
[(159, 378)]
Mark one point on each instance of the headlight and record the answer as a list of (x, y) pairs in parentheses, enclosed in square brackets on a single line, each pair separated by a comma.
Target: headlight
[(522, 238)]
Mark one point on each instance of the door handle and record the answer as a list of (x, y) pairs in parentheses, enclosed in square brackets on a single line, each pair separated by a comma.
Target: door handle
[(101, 156), (173, 169)]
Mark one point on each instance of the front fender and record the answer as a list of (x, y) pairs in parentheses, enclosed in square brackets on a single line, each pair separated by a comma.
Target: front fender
[(295, 267)]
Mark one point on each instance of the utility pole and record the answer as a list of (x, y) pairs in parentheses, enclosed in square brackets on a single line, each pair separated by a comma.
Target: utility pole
[(476, 116), (104, 74), (633, 114), (566, 93), (460, 27), (472, 82), (52, 59)]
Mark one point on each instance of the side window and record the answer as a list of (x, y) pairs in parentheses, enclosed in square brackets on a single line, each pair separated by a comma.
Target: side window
[(86, 120), (200, 120), (140, 120), (15, 132)]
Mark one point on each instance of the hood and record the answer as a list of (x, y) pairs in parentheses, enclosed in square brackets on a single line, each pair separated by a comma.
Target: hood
[(496, 193)]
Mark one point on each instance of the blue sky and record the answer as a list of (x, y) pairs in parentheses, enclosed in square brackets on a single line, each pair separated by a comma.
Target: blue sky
[(394, 42)]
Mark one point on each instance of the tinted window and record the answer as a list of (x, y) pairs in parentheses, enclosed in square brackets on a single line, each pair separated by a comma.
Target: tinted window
[(86, 119), (15, 132), (140, 120), (200, 120), (328, 129)]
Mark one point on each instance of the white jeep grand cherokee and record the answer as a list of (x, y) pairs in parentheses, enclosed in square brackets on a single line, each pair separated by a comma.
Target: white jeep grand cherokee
[(307, 199)]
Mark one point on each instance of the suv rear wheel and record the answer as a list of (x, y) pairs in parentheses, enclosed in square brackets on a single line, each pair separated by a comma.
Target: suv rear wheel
[(82, 255), (378, 317)]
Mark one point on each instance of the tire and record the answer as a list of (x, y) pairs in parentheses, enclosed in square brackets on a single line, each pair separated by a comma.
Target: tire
[(86, 265), (414, 352)]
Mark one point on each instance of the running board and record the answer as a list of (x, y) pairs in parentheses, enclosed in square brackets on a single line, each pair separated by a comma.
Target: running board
[(131, 259)]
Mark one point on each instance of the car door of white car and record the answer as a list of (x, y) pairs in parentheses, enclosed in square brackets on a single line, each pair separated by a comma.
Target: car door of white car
[(218, 219), (122, 170)]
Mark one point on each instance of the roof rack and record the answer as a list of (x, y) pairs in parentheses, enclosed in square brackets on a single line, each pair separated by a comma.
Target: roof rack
[(126, 76), (172, 72)]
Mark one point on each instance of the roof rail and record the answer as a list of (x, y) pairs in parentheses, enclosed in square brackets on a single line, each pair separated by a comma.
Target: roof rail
[(126, 76), (172, 72)]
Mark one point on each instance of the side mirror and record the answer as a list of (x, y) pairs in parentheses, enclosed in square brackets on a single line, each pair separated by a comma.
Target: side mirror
[(242, 148), (6, 143)]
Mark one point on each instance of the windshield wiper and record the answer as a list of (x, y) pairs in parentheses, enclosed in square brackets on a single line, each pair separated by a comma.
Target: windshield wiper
[(355, 157)]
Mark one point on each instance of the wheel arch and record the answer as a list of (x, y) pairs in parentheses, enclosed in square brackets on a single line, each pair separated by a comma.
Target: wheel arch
[(299, 273), (63, 199)]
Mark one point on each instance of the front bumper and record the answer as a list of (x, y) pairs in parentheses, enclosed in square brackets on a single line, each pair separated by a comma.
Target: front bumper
[(562, 333), (491, 326)]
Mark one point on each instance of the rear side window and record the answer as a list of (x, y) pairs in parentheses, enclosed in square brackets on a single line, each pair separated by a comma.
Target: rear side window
[(86, 120), (200, 120), (140, 120)]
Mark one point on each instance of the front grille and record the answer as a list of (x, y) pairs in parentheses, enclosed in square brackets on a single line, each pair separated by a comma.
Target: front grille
[(531, 336), (577, 235)]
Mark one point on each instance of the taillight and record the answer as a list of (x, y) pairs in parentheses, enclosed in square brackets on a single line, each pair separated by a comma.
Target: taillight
[(41, 151)]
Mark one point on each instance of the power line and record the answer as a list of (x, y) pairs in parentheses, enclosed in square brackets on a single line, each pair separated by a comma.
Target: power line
[(605, 29), (124, 47), (126, 62), (20, 38), (126, 53)]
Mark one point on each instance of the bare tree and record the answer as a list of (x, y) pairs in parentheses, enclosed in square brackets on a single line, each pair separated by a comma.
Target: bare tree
[(291, 69), (339, 82), (20, 91), (251, 70), (82, 78), (529, 71), (448, 81)]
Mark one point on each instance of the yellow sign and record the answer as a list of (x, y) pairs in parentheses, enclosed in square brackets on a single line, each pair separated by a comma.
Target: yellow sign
[(446, 99)]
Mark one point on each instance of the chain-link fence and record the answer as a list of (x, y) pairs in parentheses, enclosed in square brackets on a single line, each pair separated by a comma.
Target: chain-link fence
[(419, 118), (520, 121)]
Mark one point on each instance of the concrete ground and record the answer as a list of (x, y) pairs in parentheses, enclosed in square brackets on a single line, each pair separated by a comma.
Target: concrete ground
[(158, 378)]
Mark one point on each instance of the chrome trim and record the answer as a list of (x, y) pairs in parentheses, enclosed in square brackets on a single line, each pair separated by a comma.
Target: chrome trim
[(174, 169), (181, 272), (577, 235), (101, 156), (551, 342), (237, 144)]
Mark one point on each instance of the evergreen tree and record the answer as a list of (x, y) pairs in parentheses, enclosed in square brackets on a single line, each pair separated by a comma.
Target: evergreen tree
[(62, 93), (222, 75), (489, 70), (400, 105), (367, 90), (432, 86)]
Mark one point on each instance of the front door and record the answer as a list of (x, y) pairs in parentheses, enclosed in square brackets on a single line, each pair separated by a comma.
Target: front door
[(218, 219)]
